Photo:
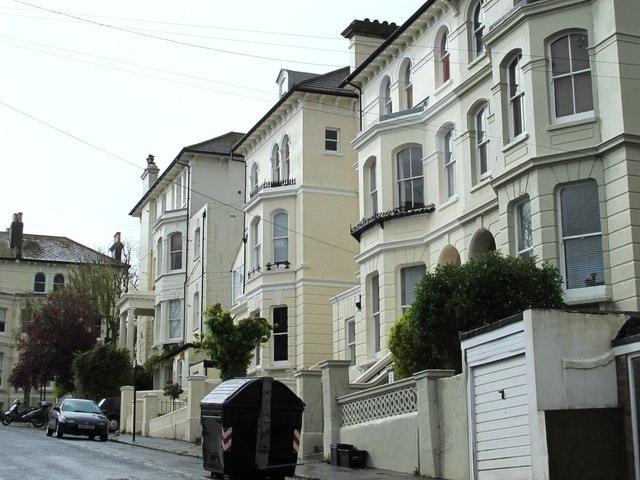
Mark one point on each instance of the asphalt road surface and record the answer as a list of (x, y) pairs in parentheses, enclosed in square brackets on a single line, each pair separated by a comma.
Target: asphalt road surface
[(27, 453)]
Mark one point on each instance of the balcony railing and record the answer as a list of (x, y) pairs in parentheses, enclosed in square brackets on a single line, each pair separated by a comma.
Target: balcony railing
[(379, 218), (420, 107), (272, 184)]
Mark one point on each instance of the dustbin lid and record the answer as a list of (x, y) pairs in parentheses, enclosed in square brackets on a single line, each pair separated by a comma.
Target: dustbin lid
[(247, 392)]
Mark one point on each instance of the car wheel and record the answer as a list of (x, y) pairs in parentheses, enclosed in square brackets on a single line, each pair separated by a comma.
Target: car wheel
[(49, 431), (103, 438), (114, 424), (58, 431)]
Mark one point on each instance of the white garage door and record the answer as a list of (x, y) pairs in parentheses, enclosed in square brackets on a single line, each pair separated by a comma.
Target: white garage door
[(502, 440)]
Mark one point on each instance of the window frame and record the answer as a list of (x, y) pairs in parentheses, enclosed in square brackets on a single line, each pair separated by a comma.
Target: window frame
[(197, 243), (444, 57), (3, 324), (407, 85), (375, 314), (413, 180), (285, 157), (280, 333), (196, 312), (570, 74), (174, 322), (386, 103), (481, 119), (350, 340), (256, 235), (281, 236), (57, 282), (332, 141), (477, 33), (175, 253), (406, 295), (573, 292), (516, 97), (373, 187), (40, 283), (523, 229), (449, 162), (253, 178), (276, 165)]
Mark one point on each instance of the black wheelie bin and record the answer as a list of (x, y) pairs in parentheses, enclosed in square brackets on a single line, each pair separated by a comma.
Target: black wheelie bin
[(251, 429)]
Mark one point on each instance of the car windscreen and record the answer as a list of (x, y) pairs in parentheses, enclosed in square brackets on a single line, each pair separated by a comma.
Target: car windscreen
[(82, 407)]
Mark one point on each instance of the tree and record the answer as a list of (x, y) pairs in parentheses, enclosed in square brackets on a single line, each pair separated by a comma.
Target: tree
[(101, 371), (173, 391), (229, 344), (459, 298), (103, 281), (61, 326)]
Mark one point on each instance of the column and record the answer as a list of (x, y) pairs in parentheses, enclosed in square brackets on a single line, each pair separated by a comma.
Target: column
[(335, 383), (309, 388), (130, 330)]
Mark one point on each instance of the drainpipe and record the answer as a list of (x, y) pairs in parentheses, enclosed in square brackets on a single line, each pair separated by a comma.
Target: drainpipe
[(186, 255), (359, 102), (202, 259)]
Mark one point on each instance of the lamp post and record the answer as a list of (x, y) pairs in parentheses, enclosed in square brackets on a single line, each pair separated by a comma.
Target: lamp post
[(135, 364)]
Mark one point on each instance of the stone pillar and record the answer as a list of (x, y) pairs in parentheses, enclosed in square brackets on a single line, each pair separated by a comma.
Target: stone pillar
[(130, 330), (122, 331), (309, 388), (148, 413), (428, 421), (335, 383), (126, 408), (196, 391)]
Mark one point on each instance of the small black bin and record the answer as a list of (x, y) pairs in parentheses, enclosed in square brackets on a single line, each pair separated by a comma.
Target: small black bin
[(335, 459), (352, 458), (251, 428)]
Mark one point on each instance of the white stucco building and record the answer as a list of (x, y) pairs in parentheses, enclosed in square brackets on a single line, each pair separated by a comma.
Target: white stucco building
[(190, 224), (493, 125)]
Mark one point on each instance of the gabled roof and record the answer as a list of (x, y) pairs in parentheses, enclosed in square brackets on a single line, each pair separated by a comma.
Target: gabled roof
[(222, 145), (328, 84), (52, 249)]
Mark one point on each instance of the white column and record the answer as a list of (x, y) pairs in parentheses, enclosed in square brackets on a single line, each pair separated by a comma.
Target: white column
[(122, 331), (130, 330)]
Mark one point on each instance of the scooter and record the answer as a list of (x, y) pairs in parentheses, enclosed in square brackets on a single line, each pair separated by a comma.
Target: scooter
[(33, 415)]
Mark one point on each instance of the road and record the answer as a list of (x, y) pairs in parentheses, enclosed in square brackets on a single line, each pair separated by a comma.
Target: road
[(27, 453)]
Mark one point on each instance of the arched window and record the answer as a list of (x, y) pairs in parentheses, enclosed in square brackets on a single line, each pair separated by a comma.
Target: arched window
[(176, 251), (275, 164), (373, 187), (443, 57), (197, 243), (39, 283), (516, 98), (407, 85), (410, 178), (280, 237), (571, 75), (386, 106), (58, 281), (478, 30), (482, 143), (286, 155)]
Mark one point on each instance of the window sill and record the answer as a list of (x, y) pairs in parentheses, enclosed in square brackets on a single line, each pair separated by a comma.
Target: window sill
[(523, 137), (449, 201), (483, 181), (443, 86), (577, 296), (477, 60), (572, 121), (333, 154)]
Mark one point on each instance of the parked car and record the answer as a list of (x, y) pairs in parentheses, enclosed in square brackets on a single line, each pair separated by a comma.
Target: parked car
[(78, 417), (111, 408)]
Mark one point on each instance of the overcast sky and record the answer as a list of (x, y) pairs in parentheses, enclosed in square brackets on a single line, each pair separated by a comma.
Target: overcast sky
[(88, 89)]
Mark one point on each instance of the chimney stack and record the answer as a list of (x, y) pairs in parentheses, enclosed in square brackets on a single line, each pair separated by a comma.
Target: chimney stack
[(150, 174), (15, 234), (365, 36), (117, 247)]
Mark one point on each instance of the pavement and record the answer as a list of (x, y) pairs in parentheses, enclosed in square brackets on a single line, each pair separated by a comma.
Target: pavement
[(310, 470)]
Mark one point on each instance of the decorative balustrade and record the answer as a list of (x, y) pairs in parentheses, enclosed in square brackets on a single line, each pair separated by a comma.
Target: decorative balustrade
[(379, 402), (272, 184)]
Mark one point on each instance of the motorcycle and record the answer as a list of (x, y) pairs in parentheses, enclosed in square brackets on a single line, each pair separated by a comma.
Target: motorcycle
[(33, 415)]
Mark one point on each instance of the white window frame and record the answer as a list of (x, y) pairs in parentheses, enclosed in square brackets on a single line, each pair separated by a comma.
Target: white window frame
[(159, 261), (482, 142), (174, 319), (276, 165), (386, 104), (524, 229), (175, 254), (57, 284), (444, 57), (373, 187), (415, 179), (407, 286), (571, 74), (515, 92), (375, 314), (237, 285), (449, 164), (40, 282), (3, 324), (280, 237), (580, 292), (197, 245), (256, 235), (478, 30), (285, 157), (334, 142), (350, 340), (278, 334), (254, 177), (195, 308), (407, 89)]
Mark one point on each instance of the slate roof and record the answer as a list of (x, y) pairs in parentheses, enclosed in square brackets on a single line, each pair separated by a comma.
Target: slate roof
[(52, 249), (221, 145)]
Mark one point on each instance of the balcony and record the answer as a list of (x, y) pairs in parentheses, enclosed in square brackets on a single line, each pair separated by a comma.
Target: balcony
[(272, 184), (379, 218), (420, 107)]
